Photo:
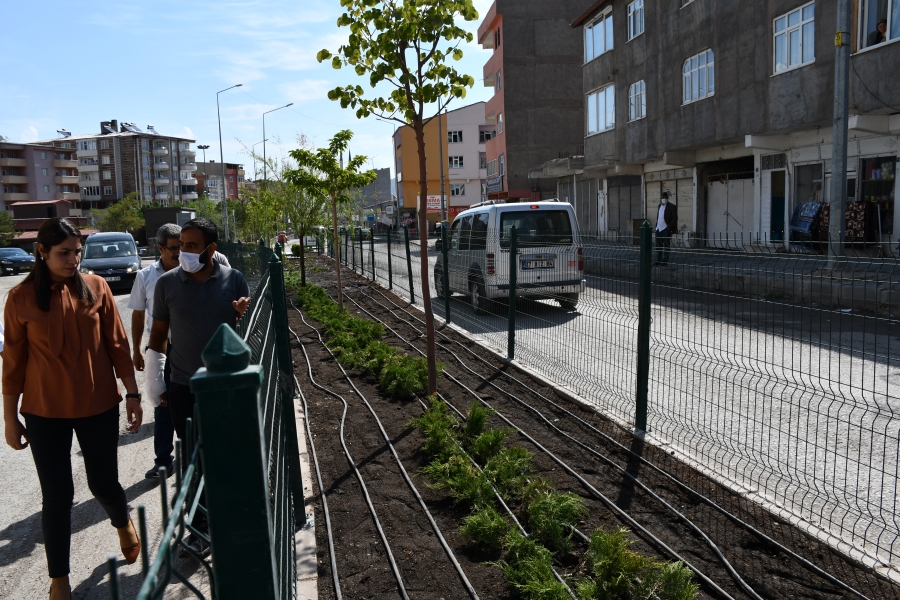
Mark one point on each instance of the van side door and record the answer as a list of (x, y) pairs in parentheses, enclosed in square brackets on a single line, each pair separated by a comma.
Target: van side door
[(459, 261)]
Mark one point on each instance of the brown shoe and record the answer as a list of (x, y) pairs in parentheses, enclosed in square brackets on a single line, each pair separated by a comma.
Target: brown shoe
[(131, 553)]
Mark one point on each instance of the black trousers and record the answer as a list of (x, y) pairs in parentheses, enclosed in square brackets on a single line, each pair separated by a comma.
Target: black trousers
[(51, 446), (181, 404), (663, 243)]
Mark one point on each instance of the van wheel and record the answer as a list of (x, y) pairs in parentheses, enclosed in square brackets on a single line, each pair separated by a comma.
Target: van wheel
[(476, 298), (568, 301), (439, 283)]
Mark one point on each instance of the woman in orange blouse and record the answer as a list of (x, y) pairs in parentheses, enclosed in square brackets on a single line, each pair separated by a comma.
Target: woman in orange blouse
[(65, 344)]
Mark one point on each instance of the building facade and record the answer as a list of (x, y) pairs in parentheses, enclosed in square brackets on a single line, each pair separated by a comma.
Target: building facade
[(728, 107), (455, 146), (209, 179), (535, 71)]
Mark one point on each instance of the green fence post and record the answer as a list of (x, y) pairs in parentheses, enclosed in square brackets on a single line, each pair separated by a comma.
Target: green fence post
[(390, 267), (412, 290), (513, 281), (372, 251), (643, 339), (445, 273), (286, 386), (362, 254), (235, 469)]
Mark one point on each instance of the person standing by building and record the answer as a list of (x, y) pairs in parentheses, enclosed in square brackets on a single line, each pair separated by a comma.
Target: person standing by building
[(191, 301), (666, 225), (879, 35), (168, 242), (64, 347)]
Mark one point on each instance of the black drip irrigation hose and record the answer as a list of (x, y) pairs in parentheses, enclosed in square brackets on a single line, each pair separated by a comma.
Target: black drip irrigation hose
[(312, 449), (712, 504), (465, 580), (594, 491), (359, 478)]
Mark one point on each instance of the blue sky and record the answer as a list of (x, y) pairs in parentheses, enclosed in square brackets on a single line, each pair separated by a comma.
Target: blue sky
[(73, 64)]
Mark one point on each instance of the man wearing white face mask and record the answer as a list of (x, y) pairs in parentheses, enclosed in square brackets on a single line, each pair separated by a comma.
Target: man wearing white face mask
[(192, 300)]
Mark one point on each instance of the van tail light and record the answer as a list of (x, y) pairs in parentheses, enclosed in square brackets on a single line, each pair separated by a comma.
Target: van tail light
[(490, 264), (581, 259)]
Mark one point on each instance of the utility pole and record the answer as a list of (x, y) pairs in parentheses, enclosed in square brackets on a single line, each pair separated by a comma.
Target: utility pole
[(222, 158), (841, 116), (441, 157)]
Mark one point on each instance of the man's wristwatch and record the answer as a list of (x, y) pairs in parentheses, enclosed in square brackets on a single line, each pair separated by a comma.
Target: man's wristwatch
[(138, 396)]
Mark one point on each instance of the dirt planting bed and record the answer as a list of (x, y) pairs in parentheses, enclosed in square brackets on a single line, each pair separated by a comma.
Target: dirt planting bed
[(422, 562)]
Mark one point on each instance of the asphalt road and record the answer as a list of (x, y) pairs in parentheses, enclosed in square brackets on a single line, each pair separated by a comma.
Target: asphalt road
[(796, 406), (23, 567)]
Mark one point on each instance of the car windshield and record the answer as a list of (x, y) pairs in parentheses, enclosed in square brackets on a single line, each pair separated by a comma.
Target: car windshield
[(536, 227), (120, 249), (13, 252)]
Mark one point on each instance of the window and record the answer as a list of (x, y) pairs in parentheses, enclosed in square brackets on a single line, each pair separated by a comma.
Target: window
[(240, 179), (144, 145), (90, 191), (104, 144), (498, 81), (485, 135), (85, 145), (44, 172), (185, 175), (105, 159), (601, 110), (146, 175), (635, 19), (795, 36), (145, 160), (598, 37), (44, 156), (46, 189), (502, 165), (454, 137), (159, 159), (231, 178), (161, 189), (107, 190), (699, 77), (879, 21), (482, 161), (457, 189), (107, 174), (183, 146), (500, 122), (159, 144), (456, 162), (478, 241), (66, 145), (89, 176), (492, 168), (637, 101)]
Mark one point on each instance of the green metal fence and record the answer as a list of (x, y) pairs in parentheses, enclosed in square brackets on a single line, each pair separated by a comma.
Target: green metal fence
[(244, 468)]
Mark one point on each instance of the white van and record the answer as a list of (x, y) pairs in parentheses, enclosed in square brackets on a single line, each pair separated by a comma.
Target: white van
[(550, 263)]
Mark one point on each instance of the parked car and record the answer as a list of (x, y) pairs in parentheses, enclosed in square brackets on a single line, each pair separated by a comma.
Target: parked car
[(15, 260), (112, 256), (550, 262)]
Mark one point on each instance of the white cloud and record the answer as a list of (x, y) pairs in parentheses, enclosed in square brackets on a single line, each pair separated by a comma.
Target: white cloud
[(29, 134), (187, 133), (308, 89)]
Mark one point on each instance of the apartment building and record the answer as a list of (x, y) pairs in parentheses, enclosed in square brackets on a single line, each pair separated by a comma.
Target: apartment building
[(36, 172), (535, 71), (209, 178), (728, 107), (104, 167), (459, 138)]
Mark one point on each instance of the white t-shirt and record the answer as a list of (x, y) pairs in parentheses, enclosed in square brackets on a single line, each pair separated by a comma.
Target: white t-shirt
[(661, 218), (142, 293)]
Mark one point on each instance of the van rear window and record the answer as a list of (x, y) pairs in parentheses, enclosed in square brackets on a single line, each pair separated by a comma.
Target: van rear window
[(536, 228)]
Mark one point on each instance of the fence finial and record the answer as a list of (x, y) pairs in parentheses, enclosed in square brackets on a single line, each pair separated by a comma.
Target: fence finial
[(226, 352)]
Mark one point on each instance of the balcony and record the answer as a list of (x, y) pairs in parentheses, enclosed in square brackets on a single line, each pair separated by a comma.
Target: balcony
[(65, 164), (161, 181), (13, 162), (161, 166), (66, 180), (188, 152), (188, 181), (189, 196), (160, 151), (13, 179), (15, 197), (190, 167), (88, 167), (68, 195), (162, 195), (86, 153), (87, 198)]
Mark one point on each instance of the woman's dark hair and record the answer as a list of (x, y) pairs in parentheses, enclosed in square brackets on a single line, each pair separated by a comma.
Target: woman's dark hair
[(52, 233)]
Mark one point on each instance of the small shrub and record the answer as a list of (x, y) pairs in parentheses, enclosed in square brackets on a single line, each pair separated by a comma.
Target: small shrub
[(508, 470), (476, 419), (486, 527), (529, 570), (465, 484), (552, 516), (405, 377), (676, 582), (488, 444), (295, 249), (438, 426)]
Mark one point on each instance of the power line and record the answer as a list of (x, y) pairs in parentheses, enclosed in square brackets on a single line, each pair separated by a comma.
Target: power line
[(292, 110), (871, 93)]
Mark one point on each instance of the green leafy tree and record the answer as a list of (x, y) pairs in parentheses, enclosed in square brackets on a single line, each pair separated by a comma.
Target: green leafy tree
[(320, 175), (7, 231), (403, 46), (126, 215)]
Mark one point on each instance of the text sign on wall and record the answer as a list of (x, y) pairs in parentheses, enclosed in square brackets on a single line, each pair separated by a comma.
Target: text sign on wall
[(434, 203)]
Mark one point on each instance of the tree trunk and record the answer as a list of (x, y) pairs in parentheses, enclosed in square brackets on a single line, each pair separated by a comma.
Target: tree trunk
[(419, 127), (337, 253), (302, 258)]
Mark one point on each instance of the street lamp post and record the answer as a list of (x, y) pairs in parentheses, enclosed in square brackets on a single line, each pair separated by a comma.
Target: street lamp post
[(222, 158), (265, 173), (253, 153), (205, 178)]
